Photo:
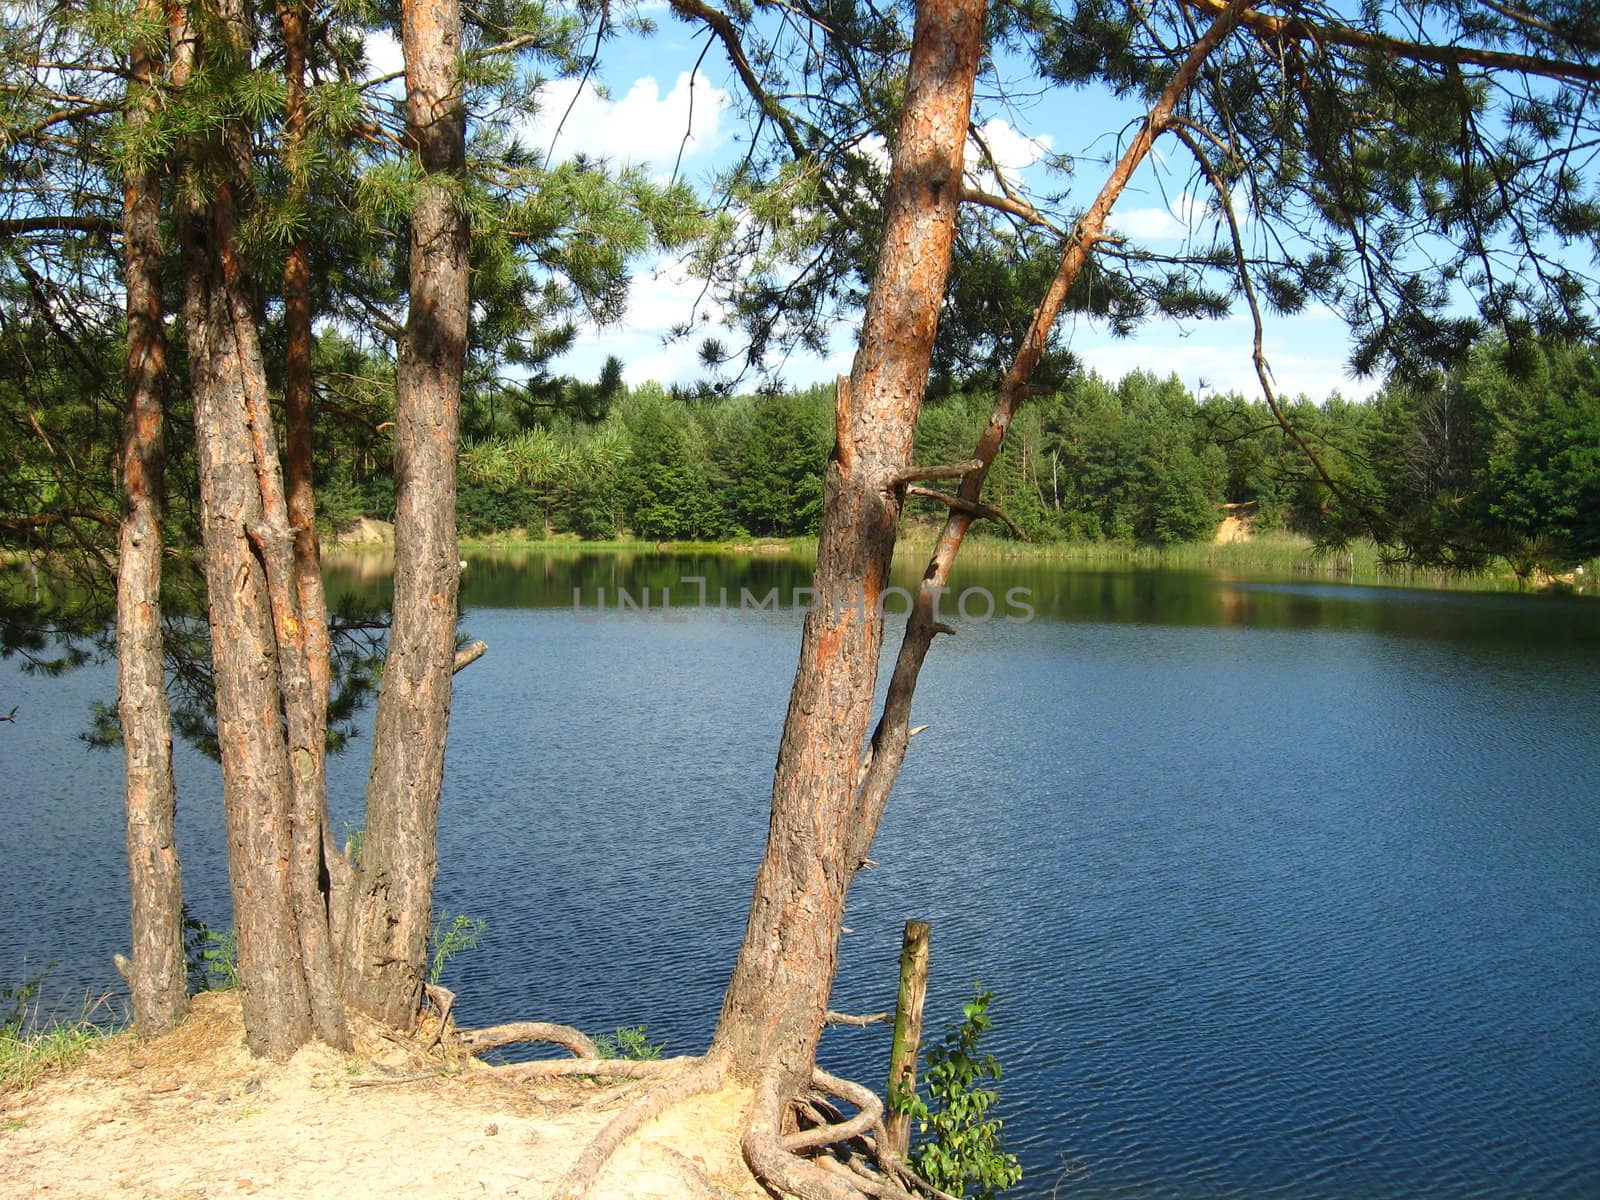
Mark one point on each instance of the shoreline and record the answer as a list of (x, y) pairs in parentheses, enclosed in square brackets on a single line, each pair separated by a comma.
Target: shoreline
[(1270, 556)]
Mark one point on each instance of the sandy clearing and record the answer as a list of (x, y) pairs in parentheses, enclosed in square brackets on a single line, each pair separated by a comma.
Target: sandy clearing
[(192, 1115)]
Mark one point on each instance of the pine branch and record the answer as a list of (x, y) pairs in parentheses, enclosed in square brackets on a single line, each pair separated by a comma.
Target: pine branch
[(1295, 29)]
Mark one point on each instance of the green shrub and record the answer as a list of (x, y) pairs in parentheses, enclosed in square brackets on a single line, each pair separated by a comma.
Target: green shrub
[(211, 956), (451, 935), (960, 1144), (629, 1041)]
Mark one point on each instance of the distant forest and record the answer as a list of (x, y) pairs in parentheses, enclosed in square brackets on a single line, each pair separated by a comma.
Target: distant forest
[(1499, 458)]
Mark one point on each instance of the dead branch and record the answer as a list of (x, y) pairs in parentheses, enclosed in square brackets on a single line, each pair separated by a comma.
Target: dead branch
[(1009, 201), (1258, 352), (469, 654), (72, 223), (1020, 209), (973, 508), (839, 1018), (444, 1000), (387, 1080)]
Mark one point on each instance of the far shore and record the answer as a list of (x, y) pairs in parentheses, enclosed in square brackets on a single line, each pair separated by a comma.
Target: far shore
[(1273, 555)]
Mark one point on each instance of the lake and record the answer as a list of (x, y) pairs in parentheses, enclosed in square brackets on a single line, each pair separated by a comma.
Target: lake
[(1285, 889)]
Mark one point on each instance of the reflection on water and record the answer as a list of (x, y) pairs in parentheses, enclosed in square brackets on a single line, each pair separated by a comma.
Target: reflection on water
[(525, 579), (1285, 890)]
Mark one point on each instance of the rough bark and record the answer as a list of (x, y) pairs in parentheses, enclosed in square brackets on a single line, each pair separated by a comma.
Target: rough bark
[(256, 788), (776, 1002), (318, 868), (266, 696), (157, 980), (392, 894)]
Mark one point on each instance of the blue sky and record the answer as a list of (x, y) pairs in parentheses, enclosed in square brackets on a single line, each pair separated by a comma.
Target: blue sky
[(640, 107)]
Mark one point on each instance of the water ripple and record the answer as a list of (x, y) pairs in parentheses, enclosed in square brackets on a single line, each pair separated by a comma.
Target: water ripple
[(1306, 909)]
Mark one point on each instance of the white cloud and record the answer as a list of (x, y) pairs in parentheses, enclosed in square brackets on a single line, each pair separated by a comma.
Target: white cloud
[(643, 127), (875, 148), (668, 296), (1013, 152), (1188, 216), (1307, 355), (659, 299), (384, 55), (1148, 225)]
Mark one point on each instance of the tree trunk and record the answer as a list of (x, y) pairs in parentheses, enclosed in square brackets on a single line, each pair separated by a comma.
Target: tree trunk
[(827, 801), (319, 869), (157, 980), (392, 900), (775, 1004), (256, 790), (267, 698)]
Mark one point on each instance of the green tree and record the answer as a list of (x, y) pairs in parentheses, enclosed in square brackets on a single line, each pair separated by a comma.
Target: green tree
[(665, 492), (778, 465), (263, 127)]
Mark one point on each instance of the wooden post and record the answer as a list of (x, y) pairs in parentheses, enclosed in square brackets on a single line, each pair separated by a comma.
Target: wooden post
[(907, 1033)]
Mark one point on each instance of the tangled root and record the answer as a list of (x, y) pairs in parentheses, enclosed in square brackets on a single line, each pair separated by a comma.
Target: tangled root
[(834, 1157), (476, 1041), (804, 1146), (852, 1159)]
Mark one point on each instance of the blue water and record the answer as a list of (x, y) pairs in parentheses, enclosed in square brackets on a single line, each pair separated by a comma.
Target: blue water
[(1284, 890)]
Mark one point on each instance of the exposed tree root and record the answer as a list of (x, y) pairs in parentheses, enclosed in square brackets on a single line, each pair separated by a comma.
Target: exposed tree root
[(444, 1000), (698, 1075), (854, 1176), (476, 1041), (779, 1169), (698, 1179), (868, 1118), (587, 1060), (851, 1164), (835, 1157)]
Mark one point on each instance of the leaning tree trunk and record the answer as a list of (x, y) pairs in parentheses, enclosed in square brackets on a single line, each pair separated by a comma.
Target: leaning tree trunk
[(392, 894), (157, 979), (775, 1004), (827, 797), (295, 573)]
